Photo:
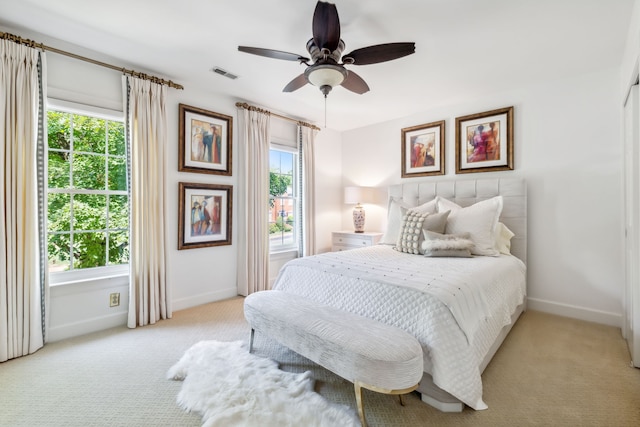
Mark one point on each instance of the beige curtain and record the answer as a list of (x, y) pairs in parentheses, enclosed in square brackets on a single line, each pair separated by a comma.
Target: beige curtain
[(253, 201), (22, 279), (307, 141), (149, 296)]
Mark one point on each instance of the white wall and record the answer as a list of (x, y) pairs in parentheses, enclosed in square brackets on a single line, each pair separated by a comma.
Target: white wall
[(568, 148), (328, 187)]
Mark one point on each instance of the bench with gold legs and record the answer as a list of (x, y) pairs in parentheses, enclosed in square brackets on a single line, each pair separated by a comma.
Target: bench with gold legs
[(371, 354)]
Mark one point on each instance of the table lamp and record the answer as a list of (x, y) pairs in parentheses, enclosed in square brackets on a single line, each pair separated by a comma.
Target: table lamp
[(356, 195)]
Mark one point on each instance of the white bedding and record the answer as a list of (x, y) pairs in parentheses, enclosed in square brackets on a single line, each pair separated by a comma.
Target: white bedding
[(455, 307)]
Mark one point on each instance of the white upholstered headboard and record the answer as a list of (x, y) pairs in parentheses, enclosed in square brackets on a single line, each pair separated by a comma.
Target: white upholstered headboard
[(468, 192)]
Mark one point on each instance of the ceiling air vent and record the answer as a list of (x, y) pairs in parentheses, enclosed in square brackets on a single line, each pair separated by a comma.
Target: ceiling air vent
[(225, 73)]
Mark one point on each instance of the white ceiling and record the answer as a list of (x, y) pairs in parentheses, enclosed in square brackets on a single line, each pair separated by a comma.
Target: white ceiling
[(464, 48)]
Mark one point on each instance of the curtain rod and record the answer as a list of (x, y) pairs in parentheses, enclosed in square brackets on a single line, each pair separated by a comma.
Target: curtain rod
[(33, 44), (253, 108)]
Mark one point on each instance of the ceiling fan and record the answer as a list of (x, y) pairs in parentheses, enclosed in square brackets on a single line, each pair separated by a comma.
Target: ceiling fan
[(326, 71)]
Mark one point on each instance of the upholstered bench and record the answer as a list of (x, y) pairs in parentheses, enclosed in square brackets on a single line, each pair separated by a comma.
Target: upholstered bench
[(368, 353)]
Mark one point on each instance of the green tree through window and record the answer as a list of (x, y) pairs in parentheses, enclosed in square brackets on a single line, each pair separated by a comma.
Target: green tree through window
[(87, 192)]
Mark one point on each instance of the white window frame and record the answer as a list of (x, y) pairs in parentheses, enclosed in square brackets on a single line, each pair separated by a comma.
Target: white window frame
[(290, 147), (86, 274)]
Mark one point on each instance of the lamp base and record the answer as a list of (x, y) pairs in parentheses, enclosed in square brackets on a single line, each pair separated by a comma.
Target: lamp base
[(358, 219)]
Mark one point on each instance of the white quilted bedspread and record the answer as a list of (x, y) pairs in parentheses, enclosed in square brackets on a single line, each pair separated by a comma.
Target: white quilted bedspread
[(455, 307)]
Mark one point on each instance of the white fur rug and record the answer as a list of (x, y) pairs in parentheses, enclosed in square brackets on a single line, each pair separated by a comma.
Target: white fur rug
[(231, 387)]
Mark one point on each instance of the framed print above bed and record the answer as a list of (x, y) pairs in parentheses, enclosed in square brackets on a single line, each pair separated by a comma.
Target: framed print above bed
[(484, 141), (204, 215), (204, 139), (423, 150)]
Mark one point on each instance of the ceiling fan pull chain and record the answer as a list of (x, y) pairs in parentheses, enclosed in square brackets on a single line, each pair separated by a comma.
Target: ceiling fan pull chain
[(325, 111)]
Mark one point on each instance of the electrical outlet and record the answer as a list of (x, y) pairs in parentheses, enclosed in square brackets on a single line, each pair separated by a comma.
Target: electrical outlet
[(114, 299)]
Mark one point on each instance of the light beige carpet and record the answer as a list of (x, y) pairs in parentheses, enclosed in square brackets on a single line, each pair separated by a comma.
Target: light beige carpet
[(550, 371)]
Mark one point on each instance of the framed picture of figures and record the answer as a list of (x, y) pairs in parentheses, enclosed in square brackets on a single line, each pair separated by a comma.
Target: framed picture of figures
[(484, 141), (204, 139), (423, 150), (204, 215)]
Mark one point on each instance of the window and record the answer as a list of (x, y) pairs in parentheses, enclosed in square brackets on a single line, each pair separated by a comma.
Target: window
[(88, 203), (283, 199)]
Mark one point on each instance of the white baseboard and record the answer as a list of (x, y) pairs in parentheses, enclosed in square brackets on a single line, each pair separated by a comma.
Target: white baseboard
[(575, 312), (95, 324), (87, 326), (196, 300)]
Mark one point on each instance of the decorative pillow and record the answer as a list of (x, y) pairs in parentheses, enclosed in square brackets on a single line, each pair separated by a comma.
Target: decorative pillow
[(503, 239), (446, 245), (436, 222), (479, 220), (410, 238), (397, 210)]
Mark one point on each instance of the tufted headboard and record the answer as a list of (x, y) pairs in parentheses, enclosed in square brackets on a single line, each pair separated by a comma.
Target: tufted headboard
[(468, 192)]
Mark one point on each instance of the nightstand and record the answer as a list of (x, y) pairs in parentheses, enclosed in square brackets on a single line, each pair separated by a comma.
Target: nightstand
[(345, 240)]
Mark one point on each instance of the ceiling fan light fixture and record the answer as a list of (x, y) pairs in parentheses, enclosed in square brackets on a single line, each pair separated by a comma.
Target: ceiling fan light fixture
[(326, 75)]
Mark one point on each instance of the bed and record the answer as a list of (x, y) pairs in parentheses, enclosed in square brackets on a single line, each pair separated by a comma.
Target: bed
[(459, 308)]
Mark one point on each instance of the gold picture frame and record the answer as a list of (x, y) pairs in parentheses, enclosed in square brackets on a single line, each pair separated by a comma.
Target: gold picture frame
[(423, 150), (204, 139), (484, 141), (204, 215)]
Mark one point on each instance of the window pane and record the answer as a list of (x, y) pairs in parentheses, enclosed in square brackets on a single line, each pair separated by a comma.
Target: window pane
[(282, 222), (59, 207), (89, 250), (86, 153), (59, 170), (118, 248), (117, 173), (59, 249), (118, 212), (89, 134), (59, 130), (89, 171), (116, 138), (89, 212), (282, 202)]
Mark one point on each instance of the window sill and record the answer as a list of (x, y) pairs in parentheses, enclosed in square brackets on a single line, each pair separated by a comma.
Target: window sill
[(94, 279), (95, 275), (284, 254)]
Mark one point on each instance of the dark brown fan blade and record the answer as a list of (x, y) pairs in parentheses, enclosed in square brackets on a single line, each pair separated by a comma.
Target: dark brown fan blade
[(296, 83), (379, 53), (326, 26), (354, 83), (270, 53)]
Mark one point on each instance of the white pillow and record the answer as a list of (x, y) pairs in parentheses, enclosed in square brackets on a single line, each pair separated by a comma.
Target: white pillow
[(479, 220), (503, 239), (397, 210)]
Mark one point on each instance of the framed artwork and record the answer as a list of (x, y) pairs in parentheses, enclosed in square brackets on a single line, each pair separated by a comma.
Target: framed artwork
[(484, 141), (423, 150), (204, 141), (204, 215)]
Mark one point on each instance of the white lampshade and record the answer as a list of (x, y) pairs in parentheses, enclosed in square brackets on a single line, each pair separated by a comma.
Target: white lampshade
[(353, 195)]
